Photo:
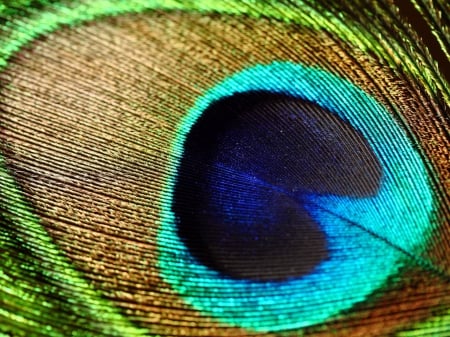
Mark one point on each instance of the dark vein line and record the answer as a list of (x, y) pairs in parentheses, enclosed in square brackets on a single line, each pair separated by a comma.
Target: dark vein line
[(297, 195)]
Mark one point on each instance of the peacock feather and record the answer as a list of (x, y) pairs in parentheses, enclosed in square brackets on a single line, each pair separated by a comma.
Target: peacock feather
[(224, 168)]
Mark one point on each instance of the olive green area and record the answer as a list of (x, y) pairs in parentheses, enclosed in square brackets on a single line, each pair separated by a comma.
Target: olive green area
[(41, 294)]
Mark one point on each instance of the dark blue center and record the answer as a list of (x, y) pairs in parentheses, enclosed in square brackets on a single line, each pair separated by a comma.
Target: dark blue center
[(247, 164)]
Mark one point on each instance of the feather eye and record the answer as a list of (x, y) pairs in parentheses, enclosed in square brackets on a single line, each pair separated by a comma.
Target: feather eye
[(222, 169)]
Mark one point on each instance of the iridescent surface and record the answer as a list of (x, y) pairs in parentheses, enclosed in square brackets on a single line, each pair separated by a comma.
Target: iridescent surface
[(98, 101)]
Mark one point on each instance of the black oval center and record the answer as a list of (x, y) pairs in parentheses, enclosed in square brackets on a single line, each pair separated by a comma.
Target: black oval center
[(246, 164)]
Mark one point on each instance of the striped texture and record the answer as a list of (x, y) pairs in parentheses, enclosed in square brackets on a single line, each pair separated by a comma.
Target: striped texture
[(92, 99)]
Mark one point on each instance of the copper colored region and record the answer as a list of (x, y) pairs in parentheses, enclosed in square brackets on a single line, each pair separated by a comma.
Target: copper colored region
[(87, 118)]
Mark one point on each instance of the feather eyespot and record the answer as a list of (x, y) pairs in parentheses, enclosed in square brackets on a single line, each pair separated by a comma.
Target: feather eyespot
[(219, 168)]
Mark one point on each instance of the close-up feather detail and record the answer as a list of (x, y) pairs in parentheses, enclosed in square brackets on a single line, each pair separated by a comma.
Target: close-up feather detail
[(224, 168)]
